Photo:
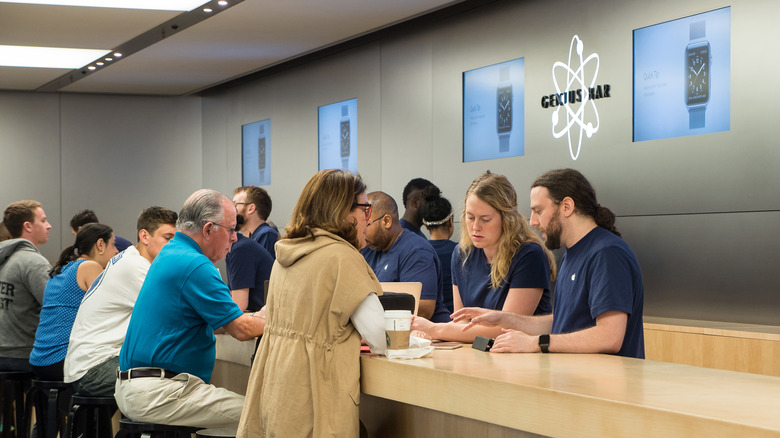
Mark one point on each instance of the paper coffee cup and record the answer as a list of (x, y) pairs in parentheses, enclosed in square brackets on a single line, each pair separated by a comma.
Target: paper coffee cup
[(398, 325)]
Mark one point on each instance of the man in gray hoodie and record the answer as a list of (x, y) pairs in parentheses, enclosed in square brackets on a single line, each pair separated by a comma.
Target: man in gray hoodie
[(23, 275)]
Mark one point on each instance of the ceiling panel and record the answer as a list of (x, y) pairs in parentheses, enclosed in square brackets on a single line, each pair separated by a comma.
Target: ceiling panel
[(245, 38)]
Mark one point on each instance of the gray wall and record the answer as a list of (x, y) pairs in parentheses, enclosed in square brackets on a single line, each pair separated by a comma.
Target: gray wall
[(702, 212), (116, 155)]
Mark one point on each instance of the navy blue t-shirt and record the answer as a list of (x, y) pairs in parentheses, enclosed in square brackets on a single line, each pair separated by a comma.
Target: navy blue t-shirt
[(249, 266), (266, 236), (406, 225), (444, 250), (121, 243), (530, 269), (411, 258), (598, 274)]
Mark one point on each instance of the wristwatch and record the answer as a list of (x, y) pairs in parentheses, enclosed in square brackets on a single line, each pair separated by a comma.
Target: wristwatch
[(261, 154), (698, 60), (345, 141), (504, 109), (544, 343)]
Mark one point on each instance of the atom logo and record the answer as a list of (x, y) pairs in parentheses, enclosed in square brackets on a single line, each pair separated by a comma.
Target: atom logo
[(576, 78)]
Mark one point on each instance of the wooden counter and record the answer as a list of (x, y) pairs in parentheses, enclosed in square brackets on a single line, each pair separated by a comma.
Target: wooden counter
[(728, 346), (563, 395), (466, 392)]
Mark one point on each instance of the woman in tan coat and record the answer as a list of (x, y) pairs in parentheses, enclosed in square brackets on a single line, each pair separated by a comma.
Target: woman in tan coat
[(322, 297)]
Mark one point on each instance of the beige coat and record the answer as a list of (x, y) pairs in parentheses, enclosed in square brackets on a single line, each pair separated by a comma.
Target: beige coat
[(305, 381)]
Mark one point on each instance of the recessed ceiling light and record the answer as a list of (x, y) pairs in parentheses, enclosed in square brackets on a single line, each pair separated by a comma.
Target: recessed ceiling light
[(109, 59), (100, 63), (207, 9), (47, 57), (222, 3), (91, 67), (159, 5), (117, 54)]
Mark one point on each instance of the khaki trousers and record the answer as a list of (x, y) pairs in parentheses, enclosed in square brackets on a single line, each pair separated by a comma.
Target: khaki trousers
[(184, 400)]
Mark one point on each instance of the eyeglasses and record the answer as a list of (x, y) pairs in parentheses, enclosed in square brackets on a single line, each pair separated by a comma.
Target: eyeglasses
[(229, 229), (240, 203), (367, 208), (377, 219)]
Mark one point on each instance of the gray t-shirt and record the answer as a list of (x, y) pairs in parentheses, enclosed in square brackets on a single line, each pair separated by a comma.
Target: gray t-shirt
[(23, 276)]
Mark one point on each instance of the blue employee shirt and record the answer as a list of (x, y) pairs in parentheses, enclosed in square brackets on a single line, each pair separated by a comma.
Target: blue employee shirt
[(249, 266), (121, 243), (408, 226), (529, 270), (444, 250), (183, 299), (61, 301), (411, 258), (266, 236), (598, 274)]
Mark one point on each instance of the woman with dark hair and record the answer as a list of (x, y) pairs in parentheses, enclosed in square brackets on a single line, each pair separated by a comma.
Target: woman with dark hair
[(500, 263), (436, 214), (322, 297), (78, 266)]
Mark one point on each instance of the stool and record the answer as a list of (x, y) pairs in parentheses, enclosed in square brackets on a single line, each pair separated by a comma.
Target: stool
[(14, 384), (221, 432), (129, 428), (45, 397), (90, 417)]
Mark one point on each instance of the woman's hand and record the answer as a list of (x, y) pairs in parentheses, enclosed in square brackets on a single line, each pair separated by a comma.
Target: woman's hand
[(478, 316), (422, 325)]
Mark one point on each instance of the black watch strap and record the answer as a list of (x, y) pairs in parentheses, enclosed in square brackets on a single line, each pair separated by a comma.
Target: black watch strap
[(544, 343)]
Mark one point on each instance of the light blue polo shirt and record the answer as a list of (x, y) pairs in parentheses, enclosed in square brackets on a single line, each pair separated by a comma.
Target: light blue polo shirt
[(182, 301)]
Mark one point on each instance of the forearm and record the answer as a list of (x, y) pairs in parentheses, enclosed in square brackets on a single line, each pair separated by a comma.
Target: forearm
[(247, 326), (452, 331), (426, 308), (605, 337), (241, 297), (532, 325)]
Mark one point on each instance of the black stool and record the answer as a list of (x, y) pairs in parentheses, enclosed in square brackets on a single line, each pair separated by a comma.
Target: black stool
[(90, 417), (129, 428), (14, 384), (45, 397), (221, 432)]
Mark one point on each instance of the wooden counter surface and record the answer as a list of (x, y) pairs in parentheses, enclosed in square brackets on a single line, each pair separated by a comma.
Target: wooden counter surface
[(565, 395)]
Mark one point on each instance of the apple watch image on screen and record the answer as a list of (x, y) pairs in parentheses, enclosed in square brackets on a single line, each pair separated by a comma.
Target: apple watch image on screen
[(345, 140), (698, 60), (261, 154), (504, 109)]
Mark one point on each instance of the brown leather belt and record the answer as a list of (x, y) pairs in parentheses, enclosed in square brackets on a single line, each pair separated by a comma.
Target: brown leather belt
[(135, 373)]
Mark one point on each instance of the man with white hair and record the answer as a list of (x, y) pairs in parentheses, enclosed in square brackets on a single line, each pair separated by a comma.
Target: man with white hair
[(168, 355)]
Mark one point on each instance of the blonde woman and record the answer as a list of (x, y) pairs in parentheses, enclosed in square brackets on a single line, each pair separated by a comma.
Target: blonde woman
[(500, 264)]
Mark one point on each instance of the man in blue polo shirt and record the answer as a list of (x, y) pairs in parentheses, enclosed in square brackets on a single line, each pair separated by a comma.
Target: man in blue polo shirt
[(396, 254), (599, 293), (168, 355)]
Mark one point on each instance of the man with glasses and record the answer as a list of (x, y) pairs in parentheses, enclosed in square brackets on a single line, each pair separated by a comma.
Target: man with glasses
[(254, 204), (168, 355), (396, 254)]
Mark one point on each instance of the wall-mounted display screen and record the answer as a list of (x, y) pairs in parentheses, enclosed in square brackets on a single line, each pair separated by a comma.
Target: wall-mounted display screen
[(338, 136), (493, 111), (682, 76), (256, 153)]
